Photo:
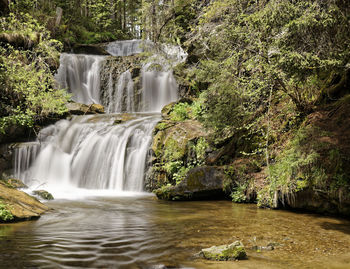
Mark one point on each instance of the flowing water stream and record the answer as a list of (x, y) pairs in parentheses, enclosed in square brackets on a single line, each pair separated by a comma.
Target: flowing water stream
[(94, 166)]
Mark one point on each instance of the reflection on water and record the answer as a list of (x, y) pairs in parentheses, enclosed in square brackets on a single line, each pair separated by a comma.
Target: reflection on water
[(141, 232)]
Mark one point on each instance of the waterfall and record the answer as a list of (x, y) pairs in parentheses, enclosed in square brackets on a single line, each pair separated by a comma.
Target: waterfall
[(104, 152), (158, 89), (121, 96), (125, 47), (91, 152), (80, 74)]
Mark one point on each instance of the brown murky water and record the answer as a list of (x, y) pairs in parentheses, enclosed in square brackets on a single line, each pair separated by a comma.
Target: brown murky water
[(141, 232)]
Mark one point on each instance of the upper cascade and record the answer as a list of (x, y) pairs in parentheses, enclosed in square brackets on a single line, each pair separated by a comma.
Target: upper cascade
[(125, 47), (82, 76), (131, 47)]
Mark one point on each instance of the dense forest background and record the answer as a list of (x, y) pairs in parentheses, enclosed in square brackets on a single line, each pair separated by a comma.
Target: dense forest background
[(268, 79)]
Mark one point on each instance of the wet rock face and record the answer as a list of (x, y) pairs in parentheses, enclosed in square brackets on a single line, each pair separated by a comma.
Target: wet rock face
[(200, 183), (6, 155), (111, 70), (234, 251), (82, 109), (19, 205), (317, 201)]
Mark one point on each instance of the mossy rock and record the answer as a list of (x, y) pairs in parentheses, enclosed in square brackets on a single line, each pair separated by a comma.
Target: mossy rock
[(171, 140), (19, 204), (43, 194), (200, 183), (234, 251), (15, 183)]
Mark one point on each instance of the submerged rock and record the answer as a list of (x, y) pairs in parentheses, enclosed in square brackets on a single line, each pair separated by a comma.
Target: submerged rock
[(269, 247), (18, 205), (44, 194), (200, 183), (234, 251)]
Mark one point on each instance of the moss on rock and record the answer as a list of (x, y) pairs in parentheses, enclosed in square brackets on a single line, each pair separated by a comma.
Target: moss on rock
[(43, 194), (200, 183), (234, 251), (21, 205), (171, 147)]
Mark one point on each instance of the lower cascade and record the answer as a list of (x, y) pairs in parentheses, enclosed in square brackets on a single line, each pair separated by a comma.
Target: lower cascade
[(98, 152), (88, 152)]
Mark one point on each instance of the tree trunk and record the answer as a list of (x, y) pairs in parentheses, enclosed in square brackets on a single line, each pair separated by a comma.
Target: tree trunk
[(124, 14)]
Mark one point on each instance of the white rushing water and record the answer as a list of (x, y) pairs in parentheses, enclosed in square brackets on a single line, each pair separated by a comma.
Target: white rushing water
[(92, 152), (120, 96), (126, 47), (89, 152), (158, 89), (80, 74)]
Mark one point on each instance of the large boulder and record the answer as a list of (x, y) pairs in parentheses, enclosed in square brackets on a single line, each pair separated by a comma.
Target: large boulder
[(200, 183), (172, 143), (16, 205), (82, 109), (234, 251)]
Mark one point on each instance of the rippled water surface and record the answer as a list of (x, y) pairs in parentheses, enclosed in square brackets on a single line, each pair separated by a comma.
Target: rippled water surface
[(142, 232)]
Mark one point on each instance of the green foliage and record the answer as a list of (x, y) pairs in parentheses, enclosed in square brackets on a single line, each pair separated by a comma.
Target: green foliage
[(181, 173), (197, 108), (297, 168), (265, 197), (168, 21), (238, 179), (238, 195), (180, 112), (5, 213), (164, 191), (178, 160), (172, 167), (199, 148), (26, 82), (85, 21), (173, 150), (247, 49), (162, 126)]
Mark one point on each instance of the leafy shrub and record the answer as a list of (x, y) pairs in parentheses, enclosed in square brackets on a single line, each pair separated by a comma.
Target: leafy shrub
[(238, 195), (26, 82), (5, 213), (180, 112)]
